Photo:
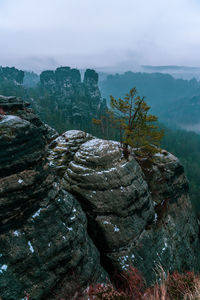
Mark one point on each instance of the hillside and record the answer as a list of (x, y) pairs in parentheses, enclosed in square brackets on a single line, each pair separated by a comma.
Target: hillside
[(175, 101)]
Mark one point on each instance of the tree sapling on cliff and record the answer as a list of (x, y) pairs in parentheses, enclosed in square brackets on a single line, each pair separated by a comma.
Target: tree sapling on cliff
[(136, 127)]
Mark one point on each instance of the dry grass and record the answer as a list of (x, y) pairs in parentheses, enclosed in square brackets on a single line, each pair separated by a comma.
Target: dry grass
[(173, 286), (196, 294), (159, 290)]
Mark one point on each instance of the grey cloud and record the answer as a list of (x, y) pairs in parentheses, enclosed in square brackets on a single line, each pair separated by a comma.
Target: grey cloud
[(99, 33)]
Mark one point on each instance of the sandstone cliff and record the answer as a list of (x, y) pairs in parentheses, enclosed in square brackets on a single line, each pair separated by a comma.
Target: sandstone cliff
[(12, 74), (135, 218), (104, 213), (11, 82), (43, 230), (64, 101), (60, 98)]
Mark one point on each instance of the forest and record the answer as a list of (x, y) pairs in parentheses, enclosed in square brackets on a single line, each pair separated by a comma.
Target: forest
[(175, 101)]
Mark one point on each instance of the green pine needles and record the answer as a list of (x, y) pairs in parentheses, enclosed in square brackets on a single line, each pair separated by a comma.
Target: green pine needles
[(137, 128)]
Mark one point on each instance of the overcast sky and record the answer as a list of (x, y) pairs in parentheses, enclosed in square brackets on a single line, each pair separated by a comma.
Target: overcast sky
[(40, 34)]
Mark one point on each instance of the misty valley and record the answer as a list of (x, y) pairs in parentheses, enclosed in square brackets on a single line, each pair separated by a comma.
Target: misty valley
[(82, 213)]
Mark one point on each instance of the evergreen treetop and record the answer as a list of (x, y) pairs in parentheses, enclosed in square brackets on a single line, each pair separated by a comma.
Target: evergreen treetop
[(136, 126)]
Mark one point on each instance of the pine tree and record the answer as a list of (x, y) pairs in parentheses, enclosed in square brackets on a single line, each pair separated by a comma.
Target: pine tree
[(136, 127)]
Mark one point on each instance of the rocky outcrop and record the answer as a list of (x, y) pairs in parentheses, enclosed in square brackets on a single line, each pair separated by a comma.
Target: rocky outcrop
[(17, 107), (11, 74), (64, 101), (43, 230), (11, 82), (132, 213), (173, 240), (91, 83), (134, 217), (116, 200)]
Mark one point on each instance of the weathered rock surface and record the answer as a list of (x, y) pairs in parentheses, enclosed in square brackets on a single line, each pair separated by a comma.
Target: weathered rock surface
[(43, 230), (63, 148), (173, 240), (114, 195), (15, 106), (135, 218)]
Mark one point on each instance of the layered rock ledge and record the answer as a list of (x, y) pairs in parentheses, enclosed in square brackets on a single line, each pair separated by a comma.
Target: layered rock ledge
[(45, 250), (113, 193), (140, 218), (63, 148)]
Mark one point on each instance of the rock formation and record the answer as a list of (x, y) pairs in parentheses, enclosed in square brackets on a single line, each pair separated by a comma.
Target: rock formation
[(12, 74), (59, 97), (11, 82), (134, 218), (43, 230), (64, 101), (172, 241), (132, 213), (117, 202)]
